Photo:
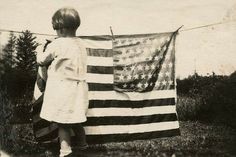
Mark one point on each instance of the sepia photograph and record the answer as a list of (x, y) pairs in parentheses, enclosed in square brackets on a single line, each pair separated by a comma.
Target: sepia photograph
[(117, 78)]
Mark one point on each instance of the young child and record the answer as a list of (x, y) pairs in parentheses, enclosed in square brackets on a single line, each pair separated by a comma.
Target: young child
[(66, 94)]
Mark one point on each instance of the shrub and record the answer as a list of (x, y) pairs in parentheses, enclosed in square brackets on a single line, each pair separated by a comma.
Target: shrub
[(187, 108), (213, 98)]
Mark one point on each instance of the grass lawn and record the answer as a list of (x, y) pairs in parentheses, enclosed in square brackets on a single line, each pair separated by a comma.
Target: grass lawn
[(197, 139)]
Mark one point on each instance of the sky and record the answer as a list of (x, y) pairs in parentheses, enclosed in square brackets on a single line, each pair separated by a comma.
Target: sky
[(206, 50)]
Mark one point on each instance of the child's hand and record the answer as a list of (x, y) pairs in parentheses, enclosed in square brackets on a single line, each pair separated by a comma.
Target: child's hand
[(48, 41), (44, 55), (42, 47)]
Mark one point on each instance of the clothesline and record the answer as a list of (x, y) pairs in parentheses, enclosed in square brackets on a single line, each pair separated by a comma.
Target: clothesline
[(208, 25), (183, 30)]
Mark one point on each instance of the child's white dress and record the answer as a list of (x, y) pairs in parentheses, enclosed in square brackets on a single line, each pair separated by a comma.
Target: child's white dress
[(66, 93)]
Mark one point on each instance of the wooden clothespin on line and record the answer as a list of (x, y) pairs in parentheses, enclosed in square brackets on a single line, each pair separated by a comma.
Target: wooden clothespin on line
[(177, 31), (112, 35)]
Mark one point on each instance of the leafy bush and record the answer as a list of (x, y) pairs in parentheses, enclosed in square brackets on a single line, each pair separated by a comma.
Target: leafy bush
[(188, 108), (208, 98)]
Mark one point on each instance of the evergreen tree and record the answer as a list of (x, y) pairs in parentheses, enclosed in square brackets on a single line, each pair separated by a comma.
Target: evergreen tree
[(9, 50), (26, 55), (26, 65), (7, 63)]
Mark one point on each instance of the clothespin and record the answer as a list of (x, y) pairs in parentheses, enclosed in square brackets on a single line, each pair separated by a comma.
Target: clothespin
[(112, 35)]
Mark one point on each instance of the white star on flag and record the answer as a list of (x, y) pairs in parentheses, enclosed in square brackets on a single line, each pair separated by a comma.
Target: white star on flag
[(147, 67), (132, 67), (167, 73), (129, 77), (150, 57), (121, 77), (149, 75), (157, 83), (161, 74), (164, 65), (136, 76), (164, 47), (156, 58), (139, 85), (151, 83), (143, 76), (170, 82), (164, 82), (125, 68), (153, 66), (140, 67)]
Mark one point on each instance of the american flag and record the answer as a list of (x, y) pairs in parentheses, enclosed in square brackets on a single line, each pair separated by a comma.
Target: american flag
[(132, 91)]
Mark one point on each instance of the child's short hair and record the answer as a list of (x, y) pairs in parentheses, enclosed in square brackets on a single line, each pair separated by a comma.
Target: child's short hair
[(66, 18)]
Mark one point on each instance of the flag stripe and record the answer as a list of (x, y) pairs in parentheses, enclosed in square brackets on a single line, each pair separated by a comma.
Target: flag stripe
[(100, 61), (102, 44), (99, 52), (95, 139), (132, 96), (130, 104), (100, 87), (100, 70), (99, 78), (118, 120), (114, 111), (129, 120), (139, 128), (96, 38)]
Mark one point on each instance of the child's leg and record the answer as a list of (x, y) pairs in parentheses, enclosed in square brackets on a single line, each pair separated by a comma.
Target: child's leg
[(80, 134), (65, 142)]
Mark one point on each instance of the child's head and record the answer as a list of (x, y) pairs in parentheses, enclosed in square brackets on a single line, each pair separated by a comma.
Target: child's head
[(66, 19)]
